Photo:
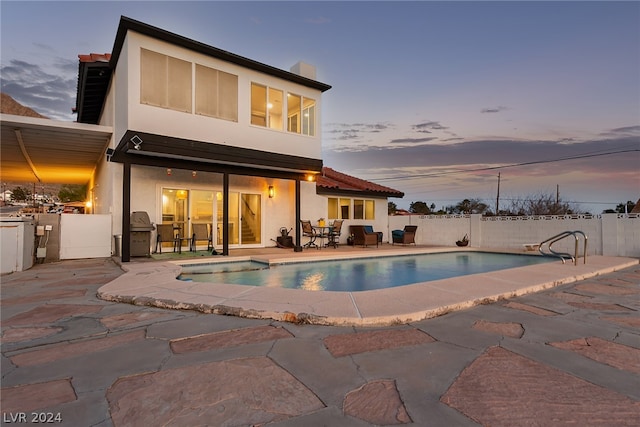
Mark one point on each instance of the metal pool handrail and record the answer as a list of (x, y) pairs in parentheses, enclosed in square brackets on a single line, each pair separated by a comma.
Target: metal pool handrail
[(562, 255)]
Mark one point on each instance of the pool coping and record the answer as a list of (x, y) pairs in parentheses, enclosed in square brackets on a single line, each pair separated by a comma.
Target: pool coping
[(156, 284)]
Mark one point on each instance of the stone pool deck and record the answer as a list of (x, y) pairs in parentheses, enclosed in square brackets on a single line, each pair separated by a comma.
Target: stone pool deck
[(155, 284), (569, 355)]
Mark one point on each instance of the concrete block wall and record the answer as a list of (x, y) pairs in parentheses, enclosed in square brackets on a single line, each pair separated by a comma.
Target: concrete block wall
[(608, 234)]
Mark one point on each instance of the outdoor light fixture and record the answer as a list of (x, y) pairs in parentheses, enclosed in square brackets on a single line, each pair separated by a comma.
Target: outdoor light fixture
[(272, 192), (169, 171), (194, 174), (137, 142)]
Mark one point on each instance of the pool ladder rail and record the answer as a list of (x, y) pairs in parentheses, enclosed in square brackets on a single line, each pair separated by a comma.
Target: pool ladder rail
[(563, 255)]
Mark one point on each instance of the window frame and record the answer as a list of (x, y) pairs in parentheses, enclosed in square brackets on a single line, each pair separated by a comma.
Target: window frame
[(155, 75), (336, 205)]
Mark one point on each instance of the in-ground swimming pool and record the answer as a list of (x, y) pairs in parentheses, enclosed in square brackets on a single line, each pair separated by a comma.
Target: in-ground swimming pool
[(358, 274)]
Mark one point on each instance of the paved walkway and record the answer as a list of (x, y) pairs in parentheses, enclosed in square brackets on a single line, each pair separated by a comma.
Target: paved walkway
[(567, 355)]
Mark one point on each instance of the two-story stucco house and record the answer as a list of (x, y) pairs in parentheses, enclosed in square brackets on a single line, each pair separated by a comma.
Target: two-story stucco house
[(201, 135)]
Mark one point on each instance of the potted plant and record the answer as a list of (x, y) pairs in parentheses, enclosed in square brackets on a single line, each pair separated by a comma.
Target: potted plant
[(350, 239), (321, 222), (464, 241)]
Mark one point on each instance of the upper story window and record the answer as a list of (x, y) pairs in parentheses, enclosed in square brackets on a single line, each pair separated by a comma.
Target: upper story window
[(267, 109), (301, 114), (165, 81), (216, 93)]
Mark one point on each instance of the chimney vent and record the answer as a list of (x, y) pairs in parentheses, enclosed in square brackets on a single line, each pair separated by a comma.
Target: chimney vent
[(305, 70)]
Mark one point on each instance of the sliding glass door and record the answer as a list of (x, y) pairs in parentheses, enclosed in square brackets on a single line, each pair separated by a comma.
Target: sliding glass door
[(184, 207)]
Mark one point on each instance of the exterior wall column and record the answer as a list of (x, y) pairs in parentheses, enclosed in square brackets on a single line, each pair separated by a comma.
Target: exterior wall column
[(609, 234), (475, 230), (297, 247), (126, 211), (225, 214)]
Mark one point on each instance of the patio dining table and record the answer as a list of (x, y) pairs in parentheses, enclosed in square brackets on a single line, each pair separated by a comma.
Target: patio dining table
[(322, 231)]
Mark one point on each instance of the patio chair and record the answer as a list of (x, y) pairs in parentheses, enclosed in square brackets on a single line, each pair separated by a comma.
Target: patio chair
[(369, 229), (334, 234), (362, 237), (166, 234), (406, 236), (308, 231), (201, 232)]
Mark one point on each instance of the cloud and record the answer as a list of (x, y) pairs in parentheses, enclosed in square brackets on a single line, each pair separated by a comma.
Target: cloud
[(466, 154), (45, 92), (447, 173), (626, 130), (493, 110), (411, 140), (351, 131), (425, 127)]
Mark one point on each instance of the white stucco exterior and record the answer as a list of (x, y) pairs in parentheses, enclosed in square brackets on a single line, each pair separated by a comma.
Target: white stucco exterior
[(150, 180)]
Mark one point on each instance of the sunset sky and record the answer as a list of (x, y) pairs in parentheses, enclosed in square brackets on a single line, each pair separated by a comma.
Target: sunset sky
[(431, 98)]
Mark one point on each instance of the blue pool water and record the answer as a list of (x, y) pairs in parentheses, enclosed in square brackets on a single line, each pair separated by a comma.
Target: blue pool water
[(359, 274)]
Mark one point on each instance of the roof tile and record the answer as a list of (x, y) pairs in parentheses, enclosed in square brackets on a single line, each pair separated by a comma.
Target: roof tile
[(95, 57), (338, 181)]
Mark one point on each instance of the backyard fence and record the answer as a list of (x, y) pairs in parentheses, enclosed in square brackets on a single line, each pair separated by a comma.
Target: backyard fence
[(608, 234)]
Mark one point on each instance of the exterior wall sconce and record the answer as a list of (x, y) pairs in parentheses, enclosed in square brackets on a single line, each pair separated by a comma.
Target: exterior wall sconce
[(311, 178), (169, 171), (272, 192), (194, 174)]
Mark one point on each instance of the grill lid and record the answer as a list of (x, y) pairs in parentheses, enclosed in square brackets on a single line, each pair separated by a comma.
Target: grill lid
[(140, 221)]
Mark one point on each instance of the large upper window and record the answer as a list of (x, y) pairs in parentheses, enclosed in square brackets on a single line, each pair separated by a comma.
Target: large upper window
[(216, 93), (301, 114), (266, 106), (165, 81), (267, 109)]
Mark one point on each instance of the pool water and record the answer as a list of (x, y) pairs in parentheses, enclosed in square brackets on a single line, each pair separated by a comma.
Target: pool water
[(358, 274)]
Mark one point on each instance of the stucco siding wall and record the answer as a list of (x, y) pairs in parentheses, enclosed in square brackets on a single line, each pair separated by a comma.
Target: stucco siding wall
[(608, 234), (513, 234), (162, 121)]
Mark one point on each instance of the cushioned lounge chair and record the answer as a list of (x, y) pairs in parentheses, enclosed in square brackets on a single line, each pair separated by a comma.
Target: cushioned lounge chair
[(406, 236), (362, 237), (369, 229)]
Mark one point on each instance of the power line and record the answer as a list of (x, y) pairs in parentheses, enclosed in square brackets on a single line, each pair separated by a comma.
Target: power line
[(535, 162)]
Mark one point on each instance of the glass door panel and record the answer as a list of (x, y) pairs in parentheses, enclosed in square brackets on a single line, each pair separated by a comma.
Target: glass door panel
[(251, 231), (245, 219), (234, 219), (175, 209), (201, 208)]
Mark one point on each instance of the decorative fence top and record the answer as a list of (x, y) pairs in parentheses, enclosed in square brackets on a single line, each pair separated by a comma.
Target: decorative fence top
[(540, 217), (530, 217)]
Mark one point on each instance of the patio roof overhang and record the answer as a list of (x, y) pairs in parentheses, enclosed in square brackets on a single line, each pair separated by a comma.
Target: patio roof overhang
[(163, 151), (49, 151)]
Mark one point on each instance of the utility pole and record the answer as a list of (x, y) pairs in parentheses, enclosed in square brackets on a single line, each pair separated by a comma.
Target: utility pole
[(498, 195)]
